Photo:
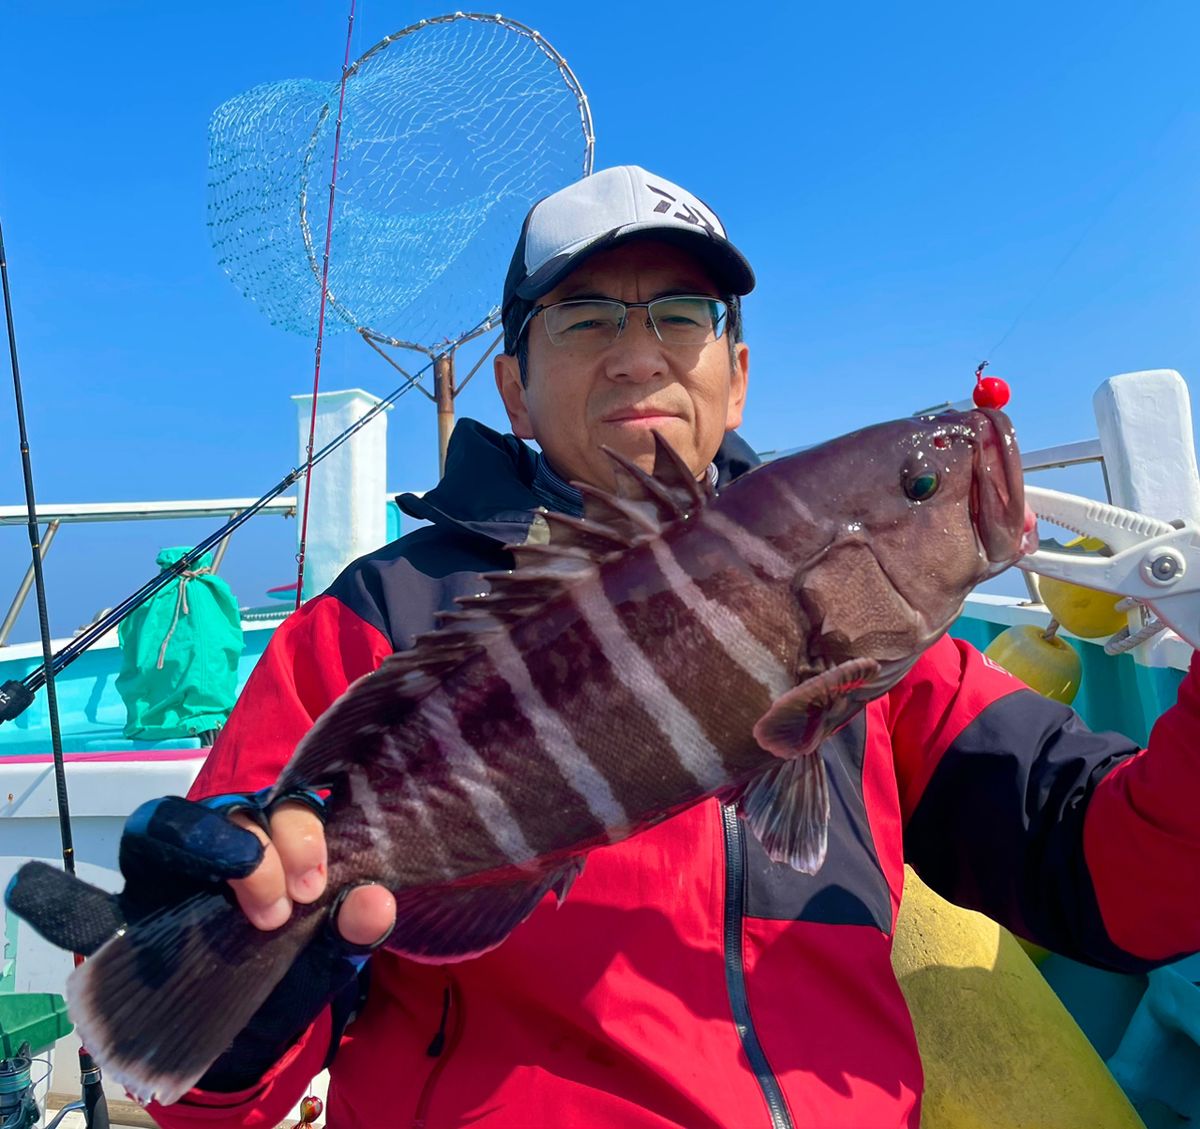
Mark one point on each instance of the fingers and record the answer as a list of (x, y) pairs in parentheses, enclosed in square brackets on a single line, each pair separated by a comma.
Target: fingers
[(263, 895), (298, 836), (366, 916), (293, 868)]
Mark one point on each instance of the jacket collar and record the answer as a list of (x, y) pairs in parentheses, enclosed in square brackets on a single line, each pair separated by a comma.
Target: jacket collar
[(487, 489)]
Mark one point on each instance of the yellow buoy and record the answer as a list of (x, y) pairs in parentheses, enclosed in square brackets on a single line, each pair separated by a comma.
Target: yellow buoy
[(1086, 612), (1040, 659), (999, 1049)]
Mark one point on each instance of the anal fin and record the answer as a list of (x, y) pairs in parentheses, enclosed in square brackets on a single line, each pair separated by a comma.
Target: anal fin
[(453, 923)]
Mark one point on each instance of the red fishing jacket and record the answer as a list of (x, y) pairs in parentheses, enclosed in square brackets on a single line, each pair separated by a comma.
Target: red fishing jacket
[(687, 980)]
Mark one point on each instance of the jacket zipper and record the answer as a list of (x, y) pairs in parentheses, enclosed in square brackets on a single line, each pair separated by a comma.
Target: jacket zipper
[(442, 1046), (735, 968)]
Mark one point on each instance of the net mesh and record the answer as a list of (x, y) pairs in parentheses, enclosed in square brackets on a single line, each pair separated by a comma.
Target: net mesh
[(452, 129)]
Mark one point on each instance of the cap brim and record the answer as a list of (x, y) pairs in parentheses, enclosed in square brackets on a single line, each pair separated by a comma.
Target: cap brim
[(728, 266)]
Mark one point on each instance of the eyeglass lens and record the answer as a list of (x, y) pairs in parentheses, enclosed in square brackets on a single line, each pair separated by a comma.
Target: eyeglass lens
[(597, 322)]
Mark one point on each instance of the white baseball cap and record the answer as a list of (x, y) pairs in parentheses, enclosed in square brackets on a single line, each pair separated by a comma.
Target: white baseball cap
[(601, 211)]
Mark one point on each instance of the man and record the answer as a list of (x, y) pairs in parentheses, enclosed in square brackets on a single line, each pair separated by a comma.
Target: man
[(686, 980)]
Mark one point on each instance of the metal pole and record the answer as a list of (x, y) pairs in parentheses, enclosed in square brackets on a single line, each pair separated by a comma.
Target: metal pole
[(219, 555), (443, 394), (10, 620)]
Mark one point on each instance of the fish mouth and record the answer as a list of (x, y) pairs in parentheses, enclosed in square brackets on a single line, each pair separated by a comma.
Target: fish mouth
[(1004, 524)]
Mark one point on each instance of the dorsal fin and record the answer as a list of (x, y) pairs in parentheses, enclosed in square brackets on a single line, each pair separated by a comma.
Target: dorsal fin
[(642, 506), (671, 488), (563, 552), (673, 474), (527, 588), (593, 536), (612, 523), (632, 519), (644, 503), (635, 485)]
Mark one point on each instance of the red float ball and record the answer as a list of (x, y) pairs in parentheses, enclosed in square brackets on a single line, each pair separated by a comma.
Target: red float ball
[(991, 392), (310, 1109)]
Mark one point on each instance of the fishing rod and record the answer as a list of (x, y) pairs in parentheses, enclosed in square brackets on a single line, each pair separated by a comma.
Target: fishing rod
[(39, 581), (312, 422), (16, 696), (94, 1103)]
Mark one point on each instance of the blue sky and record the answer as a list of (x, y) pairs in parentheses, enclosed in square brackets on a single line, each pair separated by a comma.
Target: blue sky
[(906, 179)]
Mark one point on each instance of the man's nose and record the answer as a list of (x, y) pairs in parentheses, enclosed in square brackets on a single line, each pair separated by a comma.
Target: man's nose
[(637, 354)]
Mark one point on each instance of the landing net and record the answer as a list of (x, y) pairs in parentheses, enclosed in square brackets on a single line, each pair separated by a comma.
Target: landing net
[(452, 129)]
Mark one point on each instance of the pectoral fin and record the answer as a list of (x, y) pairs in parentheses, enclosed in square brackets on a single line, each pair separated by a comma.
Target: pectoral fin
[(788, 810), (787, 807), (796, 722)]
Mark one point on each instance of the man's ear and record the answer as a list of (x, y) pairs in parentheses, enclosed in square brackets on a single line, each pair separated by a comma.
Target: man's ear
[(512, 392), (738, 381)]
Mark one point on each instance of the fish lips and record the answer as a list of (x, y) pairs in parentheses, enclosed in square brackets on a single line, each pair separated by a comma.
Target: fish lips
[(997, 489)]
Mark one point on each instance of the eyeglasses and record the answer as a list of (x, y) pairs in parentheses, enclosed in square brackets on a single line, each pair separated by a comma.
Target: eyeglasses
[(594, 323)]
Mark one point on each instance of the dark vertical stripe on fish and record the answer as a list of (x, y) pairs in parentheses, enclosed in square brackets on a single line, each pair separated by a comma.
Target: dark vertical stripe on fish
[(638, 669), (756, 551), (555, 739), (697, 675), (478, 829), (765, 608), (574, 678), (494, 718), (382, 789), (752, 621)]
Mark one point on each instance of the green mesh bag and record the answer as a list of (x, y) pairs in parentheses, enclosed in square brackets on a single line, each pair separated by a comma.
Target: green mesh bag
[(180, 653)]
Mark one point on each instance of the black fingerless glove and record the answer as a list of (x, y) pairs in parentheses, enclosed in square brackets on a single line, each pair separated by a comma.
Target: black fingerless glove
[(173, 848)]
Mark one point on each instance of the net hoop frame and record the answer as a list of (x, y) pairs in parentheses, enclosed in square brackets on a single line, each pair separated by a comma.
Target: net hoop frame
[(492, 319)]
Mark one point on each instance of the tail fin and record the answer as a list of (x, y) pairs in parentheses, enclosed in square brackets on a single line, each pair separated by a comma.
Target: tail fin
[(157, 1004)]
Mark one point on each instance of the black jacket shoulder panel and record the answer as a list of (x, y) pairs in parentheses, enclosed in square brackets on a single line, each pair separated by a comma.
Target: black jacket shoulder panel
[(400, 589), (1012, 792), (734, 458), (850, 888)]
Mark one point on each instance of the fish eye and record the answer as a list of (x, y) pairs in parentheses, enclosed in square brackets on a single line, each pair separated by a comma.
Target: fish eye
[(921, 487)]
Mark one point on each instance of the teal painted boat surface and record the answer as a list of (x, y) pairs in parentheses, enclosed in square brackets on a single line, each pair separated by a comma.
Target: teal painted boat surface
[(92, 714)]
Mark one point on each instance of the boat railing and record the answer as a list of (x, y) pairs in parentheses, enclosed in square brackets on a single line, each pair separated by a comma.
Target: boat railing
[(1059, 457), (1064, 455), (52, 517)]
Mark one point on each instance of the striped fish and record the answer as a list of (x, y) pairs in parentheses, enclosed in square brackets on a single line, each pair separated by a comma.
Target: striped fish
[(664, 648)]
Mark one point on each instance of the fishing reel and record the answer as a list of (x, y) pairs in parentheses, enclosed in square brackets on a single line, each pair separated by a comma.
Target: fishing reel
[(31, 1023), (18, 1103), (18, 1098)]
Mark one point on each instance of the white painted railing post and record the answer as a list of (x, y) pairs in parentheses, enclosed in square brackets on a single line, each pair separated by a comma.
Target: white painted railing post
[(349, 488), (1145, 427), (1145, 421)]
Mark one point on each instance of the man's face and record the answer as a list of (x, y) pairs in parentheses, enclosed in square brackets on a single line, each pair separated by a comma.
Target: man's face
[(579, 400)]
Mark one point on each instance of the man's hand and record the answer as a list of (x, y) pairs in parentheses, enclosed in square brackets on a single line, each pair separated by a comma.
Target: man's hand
[(174, 848), (294, 869)]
